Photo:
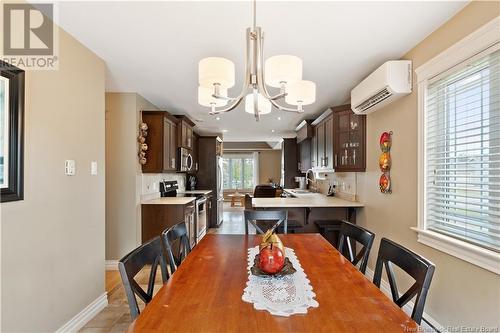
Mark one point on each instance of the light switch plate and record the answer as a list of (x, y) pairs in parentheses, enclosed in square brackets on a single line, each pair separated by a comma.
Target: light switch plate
[(69, 167), (93, 168)]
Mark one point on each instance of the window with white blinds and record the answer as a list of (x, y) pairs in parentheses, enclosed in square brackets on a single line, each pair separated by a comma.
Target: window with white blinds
[(462, 151)]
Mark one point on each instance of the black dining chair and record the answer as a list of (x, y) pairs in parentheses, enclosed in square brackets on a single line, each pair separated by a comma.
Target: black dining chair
[(149, 253), (177, 245), (414, 265), (350, 232), (259, 218)]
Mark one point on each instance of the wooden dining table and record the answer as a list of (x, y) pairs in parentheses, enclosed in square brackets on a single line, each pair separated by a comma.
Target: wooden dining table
[(204, 294)]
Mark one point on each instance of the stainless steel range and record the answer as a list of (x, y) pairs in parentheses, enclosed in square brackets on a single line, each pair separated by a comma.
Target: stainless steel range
[(197, 229)]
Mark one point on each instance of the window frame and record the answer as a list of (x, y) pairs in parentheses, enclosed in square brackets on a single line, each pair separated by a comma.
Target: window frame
[(473, 46), (242, 179), (15, 189)]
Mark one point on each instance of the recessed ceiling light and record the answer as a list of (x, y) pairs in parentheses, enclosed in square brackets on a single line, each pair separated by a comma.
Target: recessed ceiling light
[(279, 118), (224, 131), (217, 118), (272, 131)]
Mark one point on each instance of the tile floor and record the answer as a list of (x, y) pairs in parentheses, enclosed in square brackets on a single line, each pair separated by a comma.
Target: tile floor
[(233, 222), (116, 316)]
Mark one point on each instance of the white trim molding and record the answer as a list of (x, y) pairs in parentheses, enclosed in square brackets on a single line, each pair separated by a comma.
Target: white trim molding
[(464, 49), (111, 265), (473, 254), (84, 316), (408, 308), (473, 45)]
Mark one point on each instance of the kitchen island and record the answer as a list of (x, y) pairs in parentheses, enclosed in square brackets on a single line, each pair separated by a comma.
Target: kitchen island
[(312, 212)]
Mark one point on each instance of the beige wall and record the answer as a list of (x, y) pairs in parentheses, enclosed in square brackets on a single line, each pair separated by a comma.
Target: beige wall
[(53, 241), (269, 166), (461, 293), (123, 172)]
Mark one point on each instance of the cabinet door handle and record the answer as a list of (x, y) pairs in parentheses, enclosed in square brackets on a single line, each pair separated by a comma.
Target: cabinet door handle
[(335, 159), (326, 161), (173, 162)]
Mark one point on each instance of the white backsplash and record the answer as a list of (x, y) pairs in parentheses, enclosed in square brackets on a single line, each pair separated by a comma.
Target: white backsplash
[(345, 184), (150, 183)]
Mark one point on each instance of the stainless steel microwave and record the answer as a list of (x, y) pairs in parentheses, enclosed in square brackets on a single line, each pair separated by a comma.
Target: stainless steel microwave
[(185, 160)]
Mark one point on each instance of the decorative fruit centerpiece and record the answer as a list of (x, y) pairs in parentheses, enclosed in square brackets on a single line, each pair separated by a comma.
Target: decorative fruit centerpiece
[(271, 254), (271, 260)]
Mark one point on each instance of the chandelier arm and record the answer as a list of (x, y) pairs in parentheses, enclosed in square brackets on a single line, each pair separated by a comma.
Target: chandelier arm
[(261, 82), (237, 100)]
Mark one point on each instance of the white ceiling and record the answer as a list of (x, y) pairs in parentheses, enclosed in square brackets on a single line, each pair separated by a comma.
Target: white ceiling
[(153, 48)]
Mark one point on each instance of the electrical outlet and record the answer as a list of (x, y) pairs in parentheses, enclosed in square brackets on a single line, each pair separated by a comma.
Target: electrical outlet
[(70, 167), (93, 168)]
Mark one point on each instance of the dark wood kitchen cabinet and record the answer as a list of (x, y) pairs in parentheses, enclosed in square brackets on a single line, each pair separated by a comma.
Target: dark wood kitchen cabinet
[(185, 132), (170, 145), (323, 155), (155, 218), (161, 140), (304, 134), (349, 140), (194, 154), (314, 149), (289, 162), (339, 140)]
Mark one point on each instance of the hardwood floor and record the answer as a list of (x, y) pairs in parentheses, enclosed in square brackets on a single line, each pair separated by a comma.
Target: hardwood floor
[(115, 318)]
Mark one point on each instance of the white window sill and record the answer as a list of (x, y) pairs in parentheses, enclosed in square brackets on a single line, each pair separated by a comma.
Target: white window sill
[(476, 255)]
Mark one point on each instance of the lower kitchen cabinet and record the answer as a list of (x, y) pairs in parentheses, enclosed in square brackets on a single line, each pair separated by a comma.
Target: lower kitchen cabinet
[(156, 218)]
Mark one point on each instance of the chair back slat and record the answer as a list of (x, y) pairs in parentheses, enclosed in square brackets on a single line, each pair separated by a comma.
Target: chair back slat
[(268, 217), (350, 232), (176, 235), (419, 268), (150, 253)]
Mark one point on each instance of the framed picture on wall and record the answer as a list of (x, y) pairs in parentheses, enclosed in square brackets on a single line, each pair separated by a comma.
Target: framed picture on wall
[(11, 132)]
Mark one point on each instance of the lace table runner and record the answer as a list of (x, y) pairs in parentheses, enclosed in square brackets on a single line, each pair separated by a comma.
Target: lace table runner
[(281, 296)]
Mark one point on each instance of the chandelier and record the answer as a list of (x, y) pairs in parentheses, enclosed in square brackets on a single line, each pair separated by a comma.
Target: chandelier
[(216, 76)]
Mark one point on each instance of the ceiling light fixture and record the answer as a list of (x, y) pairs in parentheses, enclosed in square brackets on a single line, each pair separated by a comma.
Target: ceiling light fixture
[(216, 75)]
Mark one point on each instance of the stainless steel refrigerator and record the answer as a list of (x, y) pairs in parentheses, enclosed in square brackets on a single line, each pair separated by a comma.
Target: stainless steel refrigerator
[(220, 193)]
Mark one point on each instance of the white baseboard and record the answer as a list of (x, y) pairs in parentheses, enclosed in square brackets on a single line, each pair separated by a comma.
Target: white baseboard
[(84, 316), (111, 265), (386, 288)]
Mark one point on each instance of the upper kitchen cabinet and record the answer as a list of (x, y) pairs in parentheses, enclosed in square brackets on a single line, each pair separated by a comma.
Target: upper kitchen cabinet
[(339, 140), (161, 154), (185, 132), (304, 142), (194, 153), (349, 135), (322, 152)]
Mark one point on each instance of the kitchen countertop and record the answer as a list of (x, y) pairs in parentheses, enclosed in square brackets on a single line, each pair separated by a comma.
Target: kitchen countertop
[(204, 192), (169, 201), (304, 200)]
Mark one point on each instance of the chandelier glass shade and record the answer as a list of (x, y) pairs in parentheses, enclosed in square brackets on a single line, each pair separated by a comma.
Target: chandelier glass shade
[(216, 70), (281, 72), (263, 104), (281, 69), (301, 93)]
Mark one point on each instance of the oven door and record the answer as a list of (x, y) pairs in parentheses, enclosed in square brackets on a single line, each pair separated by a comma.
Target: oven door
[(201, 219)]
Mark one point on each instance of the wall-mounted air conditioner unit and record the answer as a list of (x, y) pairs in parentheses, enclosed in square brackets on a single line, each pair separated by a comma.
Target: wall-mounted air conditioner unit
[(389, 82)]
